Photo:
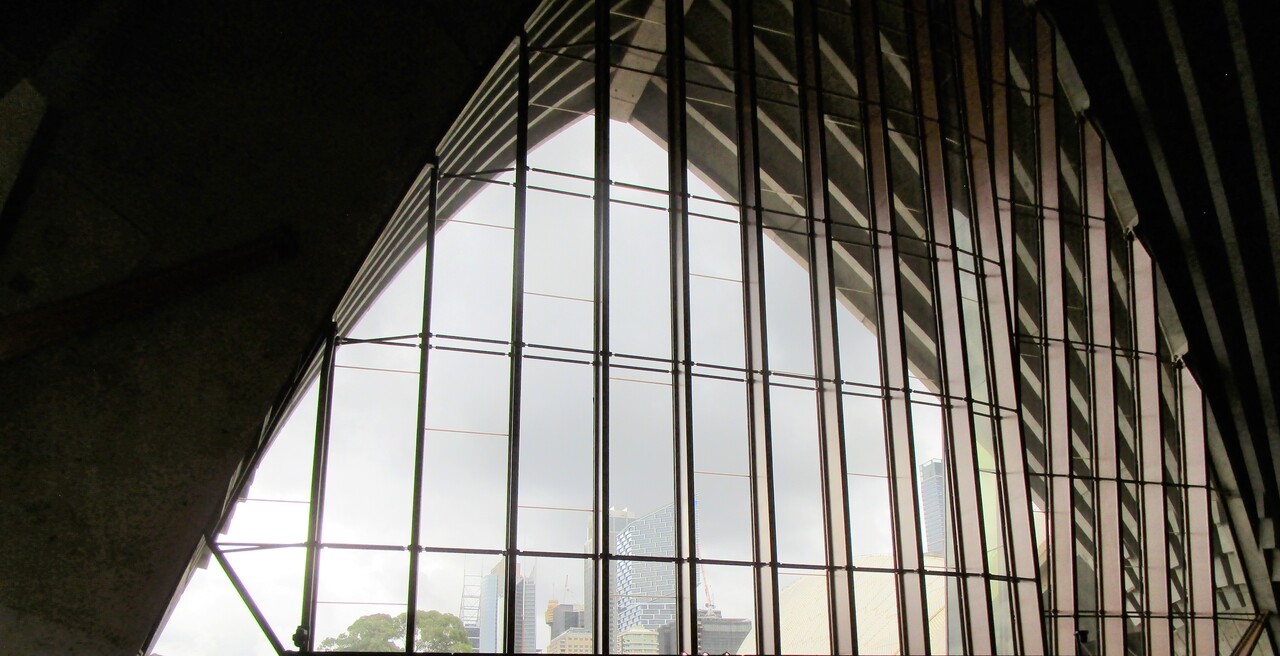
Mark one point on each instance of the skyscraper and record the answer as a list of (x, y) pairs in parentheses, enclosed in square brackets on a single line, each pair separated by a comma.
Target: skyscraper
[(638, 641), (644, 591), (492, 596), (618, 520), (562, 617), (933, 496), (571, 641), (716, 634)]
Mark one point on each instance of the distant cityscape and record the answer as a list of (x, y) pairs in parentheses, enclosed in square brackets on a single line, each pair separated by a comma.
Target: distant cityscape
[(641, 608), (642, 604)]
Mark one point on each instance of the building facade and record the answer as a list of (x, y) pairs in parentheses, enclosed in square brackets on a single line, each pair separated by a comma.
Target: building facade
[(638, 641), (716, 634), (562, 617), (645, 590), (571, 641), (493, 608), (933, 493)]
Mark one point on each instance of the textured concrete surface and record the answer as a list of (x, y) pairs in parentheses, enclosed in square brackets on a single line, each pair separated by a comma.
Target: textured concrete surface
[(172, 131)]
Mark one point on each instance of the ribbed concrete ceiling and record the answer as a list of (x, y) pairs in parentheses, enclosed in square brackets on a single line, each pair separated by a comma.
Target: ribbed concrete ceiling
[(1186, 94)]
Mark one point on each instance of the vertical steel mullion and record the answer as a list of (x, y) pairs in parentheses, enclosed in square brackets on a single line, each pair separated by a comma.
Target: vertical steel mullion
[(304, 638), (977, 131), (1200, 579), (1089, 508), (1058, 433), (826, 355), (1155, 556), (1001, 152), (990, 222), (906, 530), (1109, 561), (909, 466), (967, 511), (1162, 627), (681, 335), (517, 341), (994, 210), (953, 346), (1183, 502), (236, 583), (764, 542), (1036, 629), (600, 347), (415, 530), (1136, 366), (952, 384)]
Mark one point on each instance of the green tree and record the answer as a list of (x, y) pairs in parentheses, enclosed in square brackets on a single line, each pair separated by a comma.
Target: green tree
[(433, 631)]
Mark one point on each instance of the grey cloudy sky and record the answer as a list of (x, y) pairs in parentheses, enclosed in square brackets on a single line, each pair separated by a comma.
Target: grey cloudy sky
[(371, 461)]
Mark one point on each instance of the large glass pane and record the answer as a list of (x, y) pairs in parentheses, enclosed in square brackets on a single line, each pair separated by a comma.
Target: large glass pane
[(642, 600), (864, 435), (803, 620), (788, 303), (870, 516), (464, 465), (640, 462), (875, 599), (559, 270), (857, 315), (721, 469), (781, 176), (461, 589), (936, 536), (556, 452), (369, 483), (870, 511), (1002, 608), (726, 611), (715, 292), (471, 295), (554, 589), (210, 619), (797, 476), (273, 579), (398, 308), (711, 124), (275, 507), (634, 157), (639, 280), (361, 592), (943, 613)]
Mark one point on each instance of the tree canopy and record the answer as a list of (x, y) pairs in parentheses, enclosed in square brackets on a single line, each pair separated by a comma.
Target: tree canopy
[(433, 631)]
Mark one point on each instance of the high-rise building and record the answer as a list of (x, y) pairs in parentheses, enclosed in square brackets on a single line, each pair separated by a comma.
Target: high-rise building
[(644, 591), (637, 640), (716, 634), (492, 595), (618, 520), (933, 496), (571, 641), (562, 617)]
